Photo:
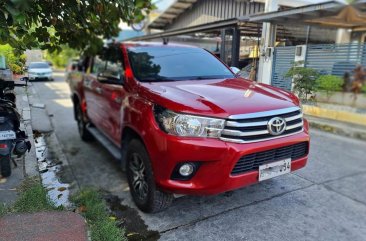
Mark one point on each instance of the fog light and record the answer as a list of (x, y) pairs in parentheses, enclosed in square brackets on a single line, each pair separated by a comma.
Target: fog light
[(186, 169)]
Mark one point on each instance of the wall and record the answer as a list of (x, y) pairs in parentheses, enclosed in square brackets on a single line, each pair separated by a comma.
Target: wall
[(341, 98)]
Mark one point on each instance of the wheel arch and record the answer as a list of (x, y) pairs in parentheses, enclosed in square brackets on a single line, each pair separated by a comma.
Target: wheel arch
[(76, 101), (128, 133)]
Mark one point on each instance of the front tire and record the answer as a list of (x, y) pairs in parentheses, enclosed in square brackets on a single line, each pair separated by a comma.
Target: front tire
[(5, 166), (83, 131), (141, 180)]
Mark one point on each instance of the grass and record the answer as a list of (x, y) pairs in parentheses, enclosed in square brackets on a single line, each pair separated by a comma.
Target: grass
[(3, 209), (32, 198), (92, 206)]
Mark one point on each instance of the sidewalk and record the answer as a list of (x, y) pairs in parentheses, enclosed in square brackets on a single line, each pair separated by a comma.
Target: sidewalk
[(47, 226), (27, 166), (43, 226)]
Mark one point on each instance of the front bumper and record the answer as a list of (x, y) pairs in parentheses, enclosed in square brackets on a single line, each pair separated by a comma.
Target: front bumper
[(39, 76), (217, 159)]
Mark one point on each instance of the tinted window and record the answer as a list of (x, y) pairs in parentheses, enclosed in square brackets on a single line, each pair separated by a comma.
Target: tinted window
[(109, 63), (151, 64), (39, 65), (98, 65), (114, 65)]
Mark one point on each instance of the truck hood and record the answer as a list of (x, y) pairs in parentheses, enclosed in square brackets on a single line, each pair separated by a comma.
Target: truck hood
[(218, 97)]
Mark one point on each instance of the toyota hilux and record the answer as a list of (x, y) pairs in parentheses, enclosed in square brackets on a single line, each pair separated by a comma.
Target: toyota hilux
[(180, 121)]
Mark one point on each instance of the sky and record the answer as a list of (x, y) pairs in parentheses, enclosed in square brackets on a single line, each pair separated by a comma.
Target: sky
[(163, 4)]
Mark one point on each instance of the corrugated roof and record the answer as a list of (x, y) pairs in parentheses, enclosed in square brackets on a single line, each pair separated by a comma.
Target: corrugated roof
[(180, 6), (171, 13), (300, 15)]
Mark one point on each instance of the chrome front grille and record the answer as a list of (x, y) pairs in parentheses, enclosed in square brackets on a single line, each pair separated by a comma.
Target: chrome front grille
[(253, 127)]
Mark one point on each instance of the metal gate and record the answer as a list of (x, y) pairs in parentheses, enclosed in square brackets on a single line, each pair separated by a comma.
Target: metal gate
[(283, 59), (335, 59)]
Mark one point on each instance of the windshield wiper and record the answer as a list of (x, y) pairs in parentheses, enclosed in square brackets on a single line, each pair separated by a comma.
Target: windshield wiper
[(203, 77), (157, 79)]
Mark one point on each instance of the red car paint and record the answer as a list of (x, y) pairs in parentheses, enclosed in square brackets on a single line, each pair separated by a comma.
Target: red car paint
[(131, 106)]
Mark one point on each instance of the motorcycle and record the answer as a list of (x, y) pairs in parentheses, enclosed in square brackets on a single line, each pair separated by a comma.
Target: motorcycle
[(13, 141)]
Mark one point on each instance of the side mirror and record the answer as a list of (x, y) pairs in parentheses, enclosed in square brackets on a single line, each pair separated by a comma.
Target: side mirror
[(74, 67), (25, 68), (26, 79), (109, 79), (235, 70)]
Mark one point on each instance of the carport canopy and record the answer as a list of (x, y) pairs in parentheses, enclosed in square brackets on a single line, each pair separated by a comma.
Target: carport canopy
[(307, 14)]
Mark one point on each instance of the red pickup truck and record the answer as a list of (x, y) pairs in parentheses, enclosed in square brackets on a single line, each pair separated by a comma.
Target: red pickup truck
[(181, 122)]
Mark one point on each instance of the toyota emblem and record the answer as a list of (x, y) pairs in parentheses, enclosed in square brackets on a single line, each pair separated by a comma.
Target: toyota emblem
[(276, 126)]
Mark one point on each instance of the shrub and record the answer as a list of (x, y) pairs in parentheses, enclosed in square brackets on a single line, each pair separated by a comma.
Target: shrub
[(329, 83), (304, 80), (364, 89), (15, 68), (14, 61)]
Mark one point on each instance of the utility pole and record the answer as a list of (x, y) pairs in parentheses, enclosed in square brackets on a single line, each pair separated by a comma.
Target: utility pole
[(268, 39)]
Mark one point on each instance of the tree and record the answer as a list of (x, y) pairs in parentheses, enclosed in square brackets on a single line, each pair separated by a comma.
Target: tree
[(82, 24), (61, 59)]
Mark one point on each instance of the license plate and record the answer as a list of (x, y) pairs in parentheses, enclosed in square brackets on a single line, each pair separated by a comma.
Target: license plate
[(7, 135), (274, 169)]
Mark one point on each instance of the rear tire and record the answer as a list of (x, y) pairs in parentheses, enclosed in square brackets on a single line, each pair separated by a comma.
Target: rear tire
[(141, 180), (5, 166), (83, 131)]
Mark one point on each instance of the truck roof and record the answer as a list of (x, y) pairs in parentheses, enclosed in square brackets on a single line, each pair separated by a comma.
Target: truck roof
[(154, 44)]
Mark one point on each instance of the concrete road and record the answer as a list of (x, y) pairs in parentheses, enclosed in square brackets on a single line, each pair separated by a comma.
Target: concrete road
[(324, 201)]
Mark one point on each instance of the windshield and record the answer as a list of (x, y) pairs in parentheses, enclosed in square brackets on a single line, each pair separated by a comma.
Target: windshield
[(153, 64), (39, 66)]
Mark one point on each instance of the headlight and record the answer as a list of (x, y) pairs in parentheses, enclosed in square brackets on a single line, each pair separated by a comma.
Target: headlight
[(188, 125)]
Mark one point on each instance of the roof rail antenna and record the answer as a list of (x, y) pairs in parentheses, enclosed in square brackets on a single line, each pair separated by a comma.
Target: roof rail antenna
[(165, 41)]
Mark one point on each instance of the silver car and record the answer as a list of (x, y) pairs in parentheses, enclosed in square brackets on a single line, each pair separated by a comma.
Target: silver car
[(40, 71)]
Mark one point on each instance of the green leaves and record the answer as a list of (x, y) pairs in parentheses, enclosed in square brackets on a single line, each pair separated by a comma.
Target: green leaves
[(329, 83), (303, 79), (82, 24)]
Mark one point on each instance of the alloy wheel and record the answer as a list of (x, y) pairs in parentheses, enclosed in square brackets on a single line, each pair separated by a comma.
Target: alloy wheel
[(139, 181)]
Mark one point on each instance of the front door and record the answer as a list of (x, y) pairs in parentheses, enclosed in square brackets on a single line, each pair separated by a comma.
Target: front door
[(113, 93)]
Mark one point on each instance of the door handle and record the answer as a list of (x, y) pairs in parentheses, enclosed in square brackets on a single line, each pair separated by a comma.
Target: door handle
[(118, 100), (99, 90)]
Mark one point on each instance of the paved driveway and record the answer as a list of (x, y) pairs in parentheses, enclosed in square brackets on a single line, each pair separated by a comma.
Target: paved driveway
[(324, 201)]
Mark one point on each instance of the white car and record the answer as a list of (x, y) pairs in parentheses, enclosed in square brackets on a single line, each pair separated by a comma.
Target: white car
[(40, 71)]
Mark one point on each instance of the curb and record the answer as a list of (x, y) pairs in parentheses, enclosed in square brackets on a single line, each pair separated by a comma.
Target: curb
[(339, 128), (349, 117), (22, 102), (52, 141), (42, 123)]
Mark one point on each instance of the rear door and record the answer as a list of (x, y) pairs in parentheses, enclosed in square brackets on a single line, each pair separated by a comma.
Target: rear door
[(113, 93), (94, 93)]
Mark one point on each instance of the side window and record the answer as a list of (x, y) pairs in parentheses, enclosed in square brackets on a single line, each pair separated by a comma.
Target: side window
[(99, 65), (114, 64)]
